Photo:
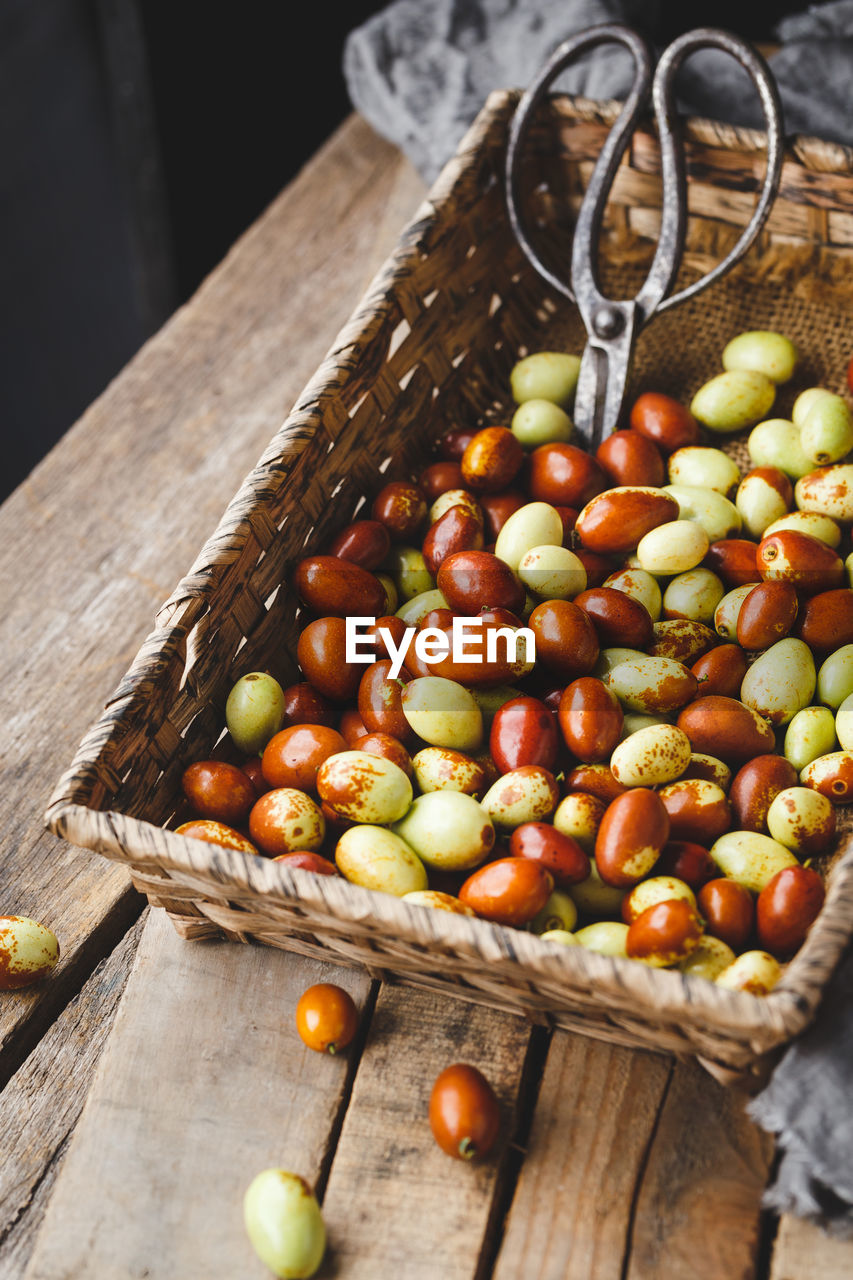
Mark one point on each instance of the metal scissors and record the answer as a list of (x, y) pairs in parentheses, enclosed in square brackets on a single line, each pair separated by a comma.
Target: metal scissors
[(612, 326)]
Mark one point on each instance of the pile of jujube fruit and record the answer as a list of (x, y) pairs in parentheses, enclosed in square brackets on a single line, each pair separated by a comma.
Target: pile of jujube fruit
[(658, 775)]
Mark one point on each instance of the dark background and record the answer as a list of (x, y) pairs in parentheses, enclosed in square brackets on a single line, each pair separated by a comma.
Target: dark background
[(138, 139)]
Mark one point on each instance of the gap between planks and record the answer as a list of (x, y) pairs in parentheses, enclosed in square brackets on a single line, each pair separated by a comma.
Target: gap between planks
[(39, 1009), (203, 1083), (41, 1104), (395, 1204), (634, 1161)]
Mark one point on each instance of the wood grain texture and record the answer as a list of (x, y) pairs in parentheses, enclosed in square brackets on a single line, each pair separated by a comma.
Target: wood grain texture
[(95, 539), (571, 1215), (632, 1160), (41, 1105), (802, 1250), (395, 1204), (706, 1170), (203, 1084)]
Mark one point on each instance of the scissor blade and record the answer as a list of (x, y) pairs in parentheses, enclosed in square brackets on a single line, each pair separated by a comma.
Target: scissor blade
[(602, 382), (589, 397)]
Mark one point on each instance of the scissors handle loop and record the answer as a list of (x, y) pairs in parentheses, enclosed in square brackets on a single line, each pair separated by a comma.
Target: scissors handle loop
[(652, 295), (589, 218), (771, 106)]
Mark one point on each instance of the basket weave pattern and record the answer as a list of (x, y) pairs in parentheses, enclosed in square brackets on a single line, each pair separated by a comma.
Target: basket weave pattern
[(432, 344)]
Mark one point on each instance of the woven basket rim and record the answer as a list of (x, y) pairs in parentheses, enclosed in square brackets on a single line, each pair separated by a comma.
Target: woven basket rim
[(769, 1020), (810, 150)]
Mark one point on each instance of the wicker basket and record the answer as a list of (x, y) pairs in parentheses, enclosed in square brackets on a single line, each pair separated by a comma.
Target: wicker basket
[(431, 344)]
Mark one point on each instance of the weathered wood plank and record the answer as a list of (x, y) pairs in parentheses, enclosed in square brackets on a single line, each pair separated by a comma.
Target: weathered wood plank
[(96, 538), (204, 1082), (703, 1180), (403, 190), (41, 1105), (571, 1214), (803, 1250), (95, 929), (395, 1204), (632, 1160)]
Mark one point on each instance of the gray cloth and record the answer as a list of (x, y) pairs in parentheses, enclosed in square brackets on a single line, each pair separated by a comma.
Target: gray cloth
[(808, 1105), (419, 72), (813, 69)]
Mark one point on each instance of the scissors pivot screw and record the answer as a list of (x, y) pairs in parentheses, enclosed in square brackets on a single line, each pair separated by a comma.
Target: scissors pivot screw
[(607, 322)]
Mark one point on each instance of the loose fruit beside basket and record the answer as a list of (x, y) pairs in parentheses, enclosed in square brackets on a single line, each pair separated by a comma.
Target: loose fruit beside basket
[(464, 1113), (604, 698), (28, 952), (284, 1224), (326, 1017)]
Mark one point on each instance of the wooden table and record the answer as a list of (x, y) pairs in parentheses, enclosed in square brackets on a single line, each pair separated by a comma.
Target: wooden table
[(149, 1079)]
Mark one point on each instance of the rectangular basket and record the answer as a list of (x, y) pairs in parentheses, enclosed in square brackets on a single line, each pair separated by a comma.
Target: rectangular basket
[(432, 344)]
